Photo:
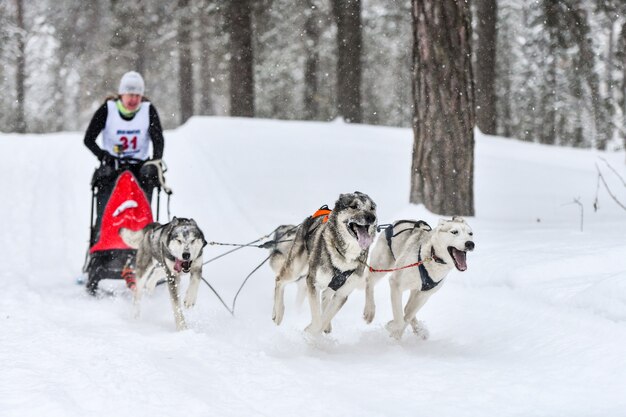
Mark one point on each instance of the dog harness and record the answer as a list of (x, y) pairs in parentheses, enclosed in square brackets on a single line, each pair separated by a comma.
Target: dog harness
[(322, 211), (339, 278), (389, 235), (427, 281)]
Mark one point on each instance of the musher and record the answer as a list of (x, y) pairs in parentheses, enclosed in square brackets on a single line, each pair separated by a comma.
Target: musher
[(128, 122)]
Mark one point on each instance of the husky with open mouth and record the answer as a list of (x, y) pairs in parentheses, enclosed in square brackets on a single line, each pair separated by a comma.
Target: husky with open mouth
[(174, 249), (421, 259), (330, 251)]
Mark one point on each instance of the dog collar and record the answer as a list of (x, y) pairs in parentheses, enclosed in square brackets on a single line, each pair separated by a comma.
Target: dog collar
[(427, 282)]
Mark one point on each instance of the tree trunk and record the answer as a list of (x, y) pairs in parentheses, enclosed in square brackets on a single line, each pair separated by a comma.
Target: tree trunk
[(581, 31), (443, 153), (546, 129), (311, 39), (206, 78), (348, 16), (623, 56), (185, 65), (241, 59), (486, 115), (20, 73), (546, 126), (140, 34)]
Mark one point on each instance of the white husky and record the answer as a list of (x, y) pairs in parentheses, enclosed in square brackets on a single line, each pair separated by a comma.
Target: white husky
[(419, 259)]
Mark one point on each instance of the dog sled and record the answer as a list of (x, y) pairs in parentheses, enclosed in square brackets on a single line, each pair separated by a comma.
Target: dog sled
[(128, 206)]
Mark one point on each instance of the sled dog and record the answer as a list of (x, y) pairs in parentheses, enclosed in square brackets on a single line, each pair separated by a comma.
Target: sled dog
[(174, 249), (282, 240), (331, 253), (279, 246), (426, 257)]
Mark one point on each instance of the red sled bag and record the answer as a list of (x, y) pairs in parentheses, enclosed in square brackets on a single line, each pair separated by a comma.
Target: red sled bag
[(127, 207)]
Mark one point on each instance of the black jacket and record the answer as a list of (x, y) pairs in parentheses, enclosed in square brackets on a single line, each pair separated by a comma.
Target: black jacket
[(98, 122)]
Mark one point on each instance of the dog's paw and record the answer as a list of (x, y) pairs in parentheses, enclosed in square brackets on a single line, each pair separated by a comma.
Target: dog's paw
[(190, 301), (395, 329), (277, 316), (420, 329), (313, 330), (368, 313), (180, 326)]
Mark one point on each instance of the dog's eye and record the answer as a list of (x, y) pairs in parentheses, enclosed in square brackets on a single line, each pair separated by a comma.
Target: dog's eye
[(471, 233), (354, 206), (455, 232)]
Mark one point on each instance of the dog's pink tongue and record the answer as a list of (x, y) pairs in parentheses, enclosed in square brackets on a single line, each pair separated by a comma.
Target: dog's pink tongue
[(364, 238), (460, 259), (178, 266)]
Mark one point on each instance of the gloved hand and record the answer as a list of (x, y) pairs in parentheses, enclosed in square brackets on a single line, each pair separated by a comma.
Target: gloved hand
[(107, 159)]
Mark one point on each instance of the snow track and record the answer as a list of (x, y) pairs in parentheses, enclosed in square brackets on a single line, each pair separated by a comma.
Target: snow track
[(535, 327)]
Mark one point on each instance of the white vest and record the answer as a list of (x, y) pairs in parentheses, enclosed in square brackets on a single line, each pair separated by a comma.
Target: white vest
[(129, 136)]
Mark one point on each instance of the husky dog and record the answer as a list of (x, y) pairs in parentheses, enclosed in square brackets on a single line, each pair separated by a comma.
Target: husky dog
[(279, 246), (331, 252), (421, 259), (281, 243), (174, 248)]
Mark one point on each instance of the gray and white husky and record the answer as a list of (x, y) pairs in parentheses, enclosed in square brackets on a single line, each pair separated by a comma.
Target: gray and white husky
[(331, 252), (170, 249), (279, 246), (405, 244)]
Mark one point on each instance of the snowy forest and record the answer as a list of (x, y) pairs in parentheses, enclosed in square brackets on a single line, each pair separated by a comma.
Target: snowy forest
[(551, 71)]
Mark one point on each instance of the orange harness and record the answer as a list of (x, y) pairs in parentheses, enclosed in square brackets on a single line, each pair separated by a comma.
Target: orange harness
[(323, 211)]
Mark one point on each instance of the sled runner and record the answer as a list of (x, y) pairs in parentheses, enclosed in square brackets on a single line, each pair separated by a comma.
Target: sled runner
[(109, 257)]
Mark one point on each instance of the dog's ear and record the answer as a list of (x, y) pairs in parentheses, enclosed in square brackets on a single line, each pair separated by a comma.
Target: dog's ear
[(204, 242), (342, 201), (458, 219)]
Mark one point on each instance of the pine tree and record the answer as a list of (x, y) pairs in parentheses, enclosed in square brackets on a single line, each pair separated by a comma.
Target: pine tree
[(486, 116), (185, 65), (20, 73), (348, 17), (443, 152), (241, 59)]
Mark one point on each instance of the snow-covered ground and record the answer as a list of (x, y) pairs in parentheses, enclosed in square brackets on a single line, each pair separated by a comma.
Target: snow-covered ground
[(535, 327)]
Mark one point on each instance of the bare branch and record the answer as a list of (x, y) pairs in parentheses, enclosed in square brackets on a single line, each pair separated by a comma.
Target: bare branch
[(578, 202), (601, 178), (614, 171)]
